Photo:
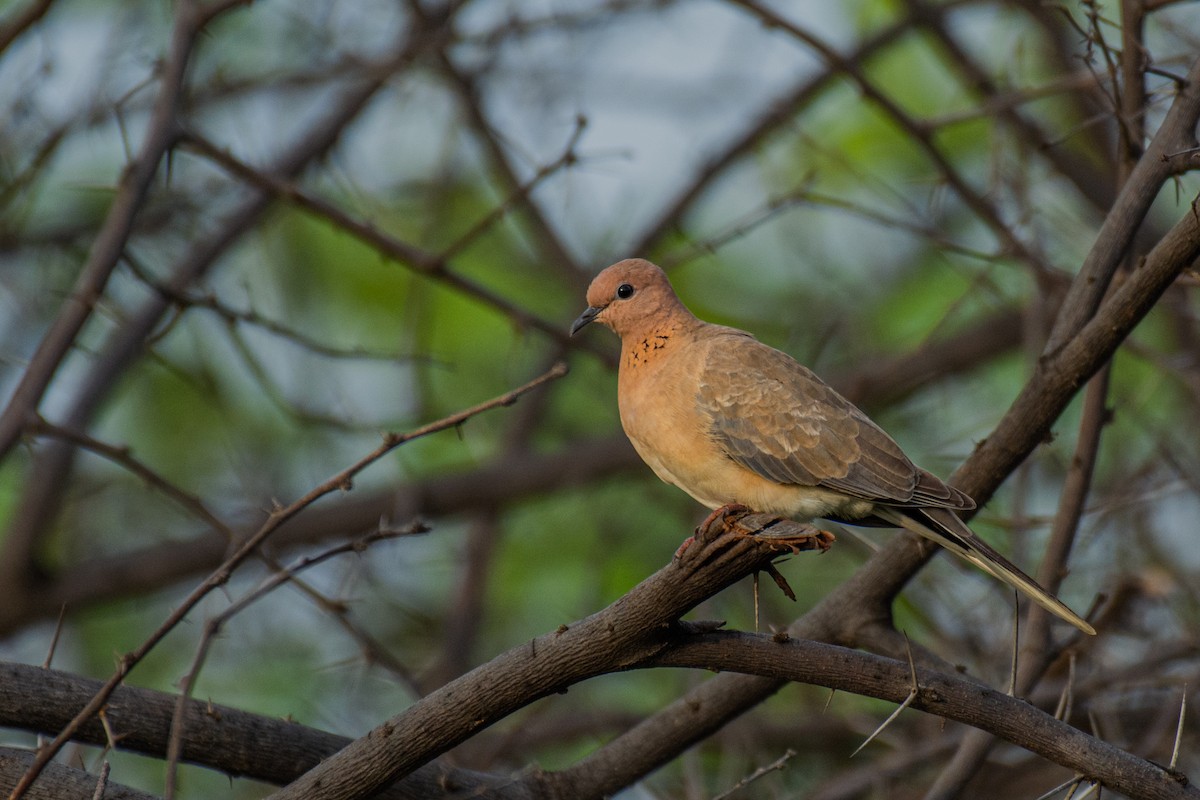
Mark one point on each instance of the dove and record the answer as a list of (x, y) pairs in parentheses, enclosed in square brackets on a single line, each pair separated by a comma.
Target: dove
[(734, 422)]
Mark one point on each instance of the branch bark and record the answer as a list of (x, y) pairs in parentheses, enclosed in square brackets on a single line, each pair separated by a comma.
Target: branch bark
[(222, 738), (61, 782), (625, 635)]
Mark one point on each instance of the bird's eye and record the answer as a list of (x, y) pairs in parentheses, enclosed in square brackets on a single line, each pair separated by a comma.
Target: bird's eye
[(625, 291)]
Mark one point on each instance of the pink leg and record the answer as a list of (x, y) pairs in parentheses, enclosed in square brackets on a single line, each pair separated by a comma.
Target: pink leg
[(723, 511)]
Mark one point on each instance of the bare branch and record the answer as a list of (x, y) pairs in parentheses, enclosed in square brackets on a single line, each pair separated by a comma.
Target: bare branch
[(621, 636), (341, 481), (160, 135)]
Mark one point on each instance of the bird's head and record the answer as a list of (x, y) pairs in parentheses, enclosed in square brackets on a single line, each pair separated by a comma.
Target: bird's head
[(629, 297)]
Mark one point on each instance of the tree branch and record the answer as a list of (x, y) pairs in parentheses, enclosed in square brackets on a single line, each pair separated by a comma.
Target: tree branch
[(61, 782), (624, 635), (341, 481), (218, 737)]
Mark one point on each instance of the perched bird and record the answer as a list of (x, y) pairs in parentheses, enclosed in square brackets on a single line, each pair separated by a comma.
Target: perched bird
[(732, 421)]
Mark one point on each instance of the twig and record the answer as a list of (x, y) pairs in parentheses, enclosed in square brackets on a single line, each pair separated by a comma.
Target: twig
[(1179, 729), (421, 261), (914, 691), (520, 194), (1063, 709), (124, 458), (1067, 785), (235, 316), (919, 133), (777, 764), (775, 115), (548, 239), (160, 135), (58, 626), (342, 481), (213, 626), (102, 781)]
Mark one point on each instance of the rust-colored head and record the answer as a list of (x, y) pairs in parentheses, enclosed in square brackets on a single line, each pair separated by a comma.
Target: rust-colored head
[(630, 297)]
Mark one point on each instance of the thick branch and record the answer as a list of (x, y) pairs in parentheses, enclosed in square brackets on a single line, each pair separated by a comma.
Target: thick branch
[(232, 741), (61, 782), (219, 577), (627, 633), (1008, 717)]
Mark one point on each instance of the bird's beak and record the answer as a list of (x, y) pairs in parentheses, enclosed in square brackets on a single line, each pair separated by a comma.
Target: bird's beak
[(586, 317)]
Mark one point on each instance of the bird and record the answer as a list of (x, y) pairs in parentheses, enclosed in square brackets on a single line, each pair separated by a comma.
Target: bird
[(735, 422)]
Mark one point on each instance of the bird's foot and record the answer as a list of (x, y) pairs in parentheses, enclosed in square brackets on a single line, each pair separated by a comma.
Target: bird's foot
[(683, 546), (721, 515), (812, 539)]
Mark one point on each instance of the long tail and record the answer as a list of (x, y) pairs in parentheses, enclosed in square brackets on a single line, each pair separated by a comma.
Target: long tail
[(952, 533)]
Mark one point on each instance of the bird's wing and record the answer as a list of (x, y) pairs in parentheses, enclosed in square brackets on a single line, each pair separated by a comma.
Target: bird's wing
[(774, 416)]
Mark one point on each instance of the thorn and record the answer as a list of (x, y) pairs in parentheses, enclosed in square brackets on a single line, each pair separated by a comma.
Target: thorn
[(756, 601), (1067, 784), (912, 695), (780, 581), (58, 626), (1179, 728), (1063, 710), (1016, 642)]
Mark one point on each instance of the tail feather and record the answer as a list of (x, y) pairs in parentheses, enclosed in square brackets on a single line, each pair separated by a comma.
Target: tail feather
[(945, 528)]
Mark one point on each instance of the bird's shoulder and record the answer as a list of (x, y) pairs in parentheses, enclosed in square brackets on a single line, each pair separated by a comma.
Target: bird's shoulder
[(736, 369)]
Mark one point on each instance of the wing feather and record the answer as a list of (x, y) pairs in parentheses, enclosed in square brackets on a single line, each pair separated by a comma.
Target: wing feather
[(775, 417)]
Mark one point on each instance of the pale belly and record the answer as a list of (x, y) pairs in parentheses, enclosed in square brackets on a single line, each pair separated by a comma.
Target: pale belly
[(715, 480)]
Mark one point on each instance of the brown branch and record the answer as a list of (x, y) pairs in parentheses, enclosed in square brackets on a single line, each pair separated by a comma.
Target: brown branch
[(547, 238), (424, 262), (105, 253), (21, 21), (61, 782), (339, 482), (1177, 133), (504, 480), (920, 134), (235, 742), (777, 115), (949, 697), (49, 476), (1091, 183), (123, 457), (622, 636), (234, 317)]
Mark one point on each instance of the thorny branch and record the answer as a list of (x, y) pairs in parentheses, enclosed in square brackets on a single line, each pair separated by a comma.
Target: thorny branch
[(339, 482)]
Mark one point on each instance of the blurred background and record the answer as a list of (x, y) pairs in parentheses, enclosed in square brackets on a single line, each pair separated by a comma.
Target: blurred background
[(379, 213)]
